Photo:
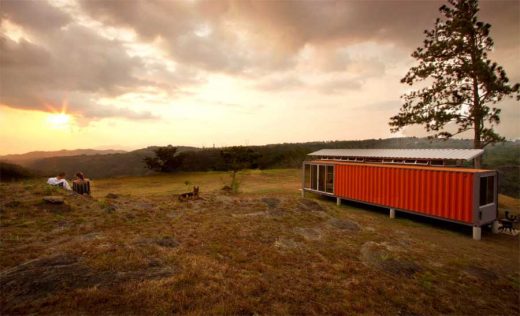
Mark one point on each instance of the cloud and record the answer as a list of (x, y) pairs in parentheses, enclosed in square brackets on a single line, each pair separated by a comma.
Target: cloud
[(73, 63), (66, 55), (37, 16)]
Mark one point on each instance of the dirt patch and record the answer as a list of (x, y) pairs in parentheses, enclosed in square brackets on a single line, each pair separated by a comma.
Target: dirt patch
[(380, 257), (344, 224), (40, 277), (309, 205)]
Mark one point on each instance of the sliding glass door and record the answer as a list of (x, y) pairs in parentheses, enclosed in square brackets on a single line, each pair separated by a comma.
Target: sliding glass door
[(319, 177)]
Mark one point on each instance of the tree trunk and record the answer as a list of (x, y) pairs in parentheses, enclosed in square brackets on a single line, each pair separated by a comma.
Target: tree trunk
[(477, 124), (477, 114), (234, 188)]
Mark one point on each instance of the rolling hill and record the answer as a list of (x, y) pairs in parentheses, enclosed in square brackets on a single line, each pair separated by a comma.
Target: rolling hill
[(504, 157)]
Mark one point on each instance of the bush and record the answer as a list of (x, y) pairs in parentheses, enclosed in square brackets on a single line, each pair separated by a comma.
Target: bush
[(12, 172)]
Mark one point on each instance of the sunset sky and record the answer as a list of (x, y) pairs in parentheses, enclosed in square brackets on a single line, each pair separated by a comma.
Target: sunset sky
[(129, 74)]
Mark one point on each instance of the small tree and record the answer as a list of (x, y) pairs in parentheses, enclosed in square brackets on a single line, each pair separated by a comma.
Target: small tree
[(238, 158), (466, 84), (165, 159)]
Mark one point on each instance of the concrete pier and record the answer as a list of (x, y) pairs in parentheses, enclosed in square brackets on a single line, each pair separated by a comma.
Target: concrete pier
[(338, 201), (392, 213), (495, 227), (477, 232)]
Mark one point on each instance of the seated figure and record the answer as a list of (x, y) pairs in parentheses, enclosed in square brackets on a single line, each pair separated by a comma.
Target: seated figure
[(81, 185), (59, 180)]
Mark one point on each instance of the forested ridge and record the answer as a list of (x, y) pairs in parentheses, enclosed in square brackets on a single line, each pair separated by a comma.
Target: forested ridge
[(505, 157)]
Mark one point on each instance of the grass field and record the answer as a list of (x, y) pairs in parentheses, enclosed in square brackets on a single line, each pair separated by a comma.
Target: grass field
[(264, 251)]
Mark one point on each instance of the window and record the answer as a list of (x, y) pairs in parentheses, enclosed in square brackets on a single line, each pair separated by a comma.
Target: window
[(314, 174), (437, 162), (321, 178), (329, 187), (487, 190)]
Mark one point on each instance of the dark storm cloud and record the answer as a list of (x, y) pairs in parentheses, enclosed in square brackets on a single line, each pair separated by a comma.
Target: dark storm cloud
[(276, 30), (64, 62), (38, 16), (262, 40)]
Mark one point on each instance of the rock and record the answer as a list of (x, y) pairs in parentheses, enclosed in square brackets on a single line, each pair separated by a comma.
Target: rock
[(344, 224), (271, 202), (168, 242), (109, 208), (13, 203), (54, 199), (277, 213), (253, 214), (479, 273), (309, 205), (112, 196), (40, 277), (311, 234), (378, 256), (227, 189), (284, 243)]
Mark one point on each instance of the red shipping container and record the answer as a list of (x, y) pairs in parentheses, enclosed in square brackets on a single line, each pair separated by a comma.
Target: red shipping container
[(462, 195)]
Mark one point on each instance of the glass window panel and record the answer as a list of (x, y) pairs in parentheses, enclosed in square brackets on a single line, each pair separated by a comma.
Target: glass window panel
[(490, 195), (314, 177), (330, 179), (483, 185), (487, 190), (321, 178)]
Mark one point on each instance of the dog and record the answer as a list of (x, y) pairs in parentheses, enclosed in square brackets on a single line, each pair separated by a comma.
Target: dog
[(508, 223), (190, 195)]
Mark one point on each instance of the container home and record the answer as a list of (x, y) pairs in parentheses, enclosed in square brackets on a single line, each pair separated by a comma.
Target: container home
[(428, 182)]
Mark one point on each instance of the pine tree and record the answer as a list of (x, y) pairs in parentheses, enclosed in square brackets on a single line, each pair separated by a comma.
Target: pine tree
[(465, 83)]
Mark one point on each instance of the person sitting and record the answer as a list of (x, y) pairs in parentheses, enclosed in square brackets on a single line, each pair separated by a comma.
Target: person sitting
[(59, 180), (81, 185)]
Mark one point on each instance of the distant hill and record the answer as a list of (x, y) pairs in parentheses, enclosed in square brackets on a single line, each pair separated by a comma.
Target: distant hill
[(28, 158), (504, 157), (98, 165)]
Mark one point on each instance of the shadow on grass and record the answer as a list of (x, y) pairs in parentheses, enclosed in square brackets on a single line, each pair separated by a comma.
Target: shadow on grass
[(406, 218)]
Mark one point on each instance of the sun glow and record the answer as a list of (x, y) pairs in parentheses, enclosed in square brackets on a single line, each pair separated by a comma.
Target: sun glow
[(58, 119)]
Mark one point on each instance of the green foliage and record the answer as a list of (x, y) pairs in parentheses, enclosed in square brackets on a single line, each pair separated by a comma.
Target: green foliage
[(51, 190), (466, 84), (165, 159), (504, 157), (11, 172), (238, 158)]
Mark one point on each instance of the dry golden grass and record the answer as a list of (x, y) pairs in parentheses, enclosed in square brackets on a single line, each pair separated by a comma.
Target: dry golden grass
[(263, 251)]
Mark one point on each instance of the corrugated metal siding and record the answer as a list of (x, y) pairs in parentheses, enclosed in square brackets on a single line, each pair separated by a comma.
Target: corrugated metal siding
[(445, 154), (440, 193)]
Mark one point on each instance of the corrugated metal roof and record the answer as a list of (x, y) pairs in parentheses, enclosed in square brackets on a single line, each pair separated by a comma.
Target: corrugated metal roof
[(444, 154)]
